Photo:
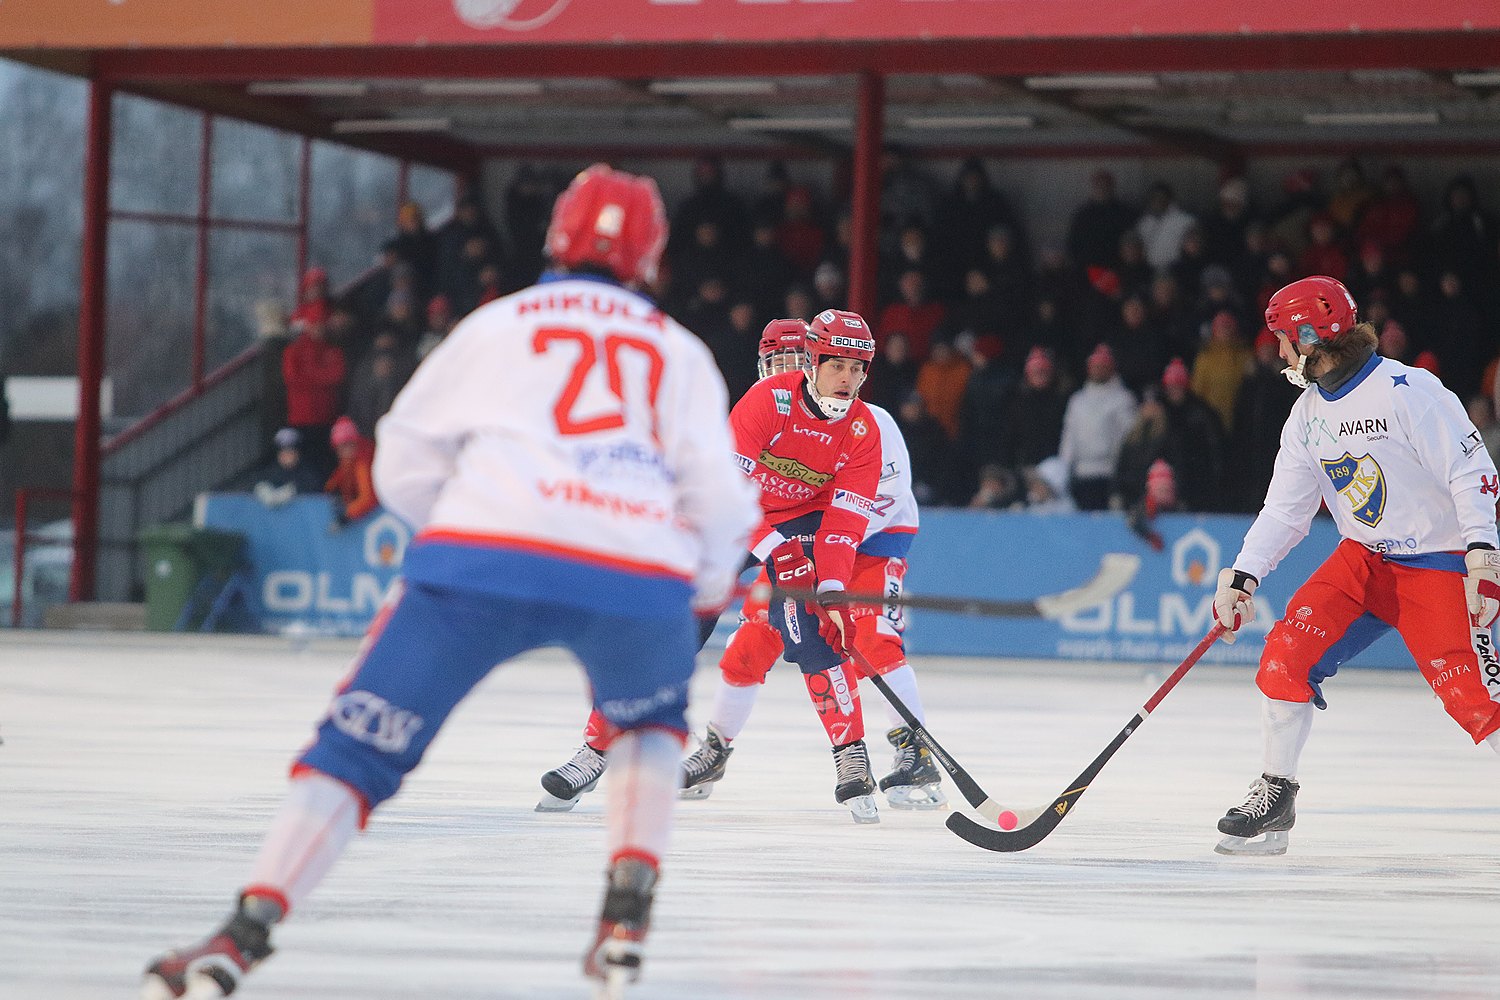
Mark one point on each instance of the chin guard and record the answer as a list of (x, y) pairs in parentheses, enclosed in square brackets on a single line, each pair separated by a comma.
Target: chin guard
[(1294, 374)]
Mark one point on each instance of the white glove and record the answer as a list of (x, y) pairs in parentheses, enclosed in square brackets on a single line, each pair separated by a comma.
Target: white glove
[(1482, 586), (1234, 603)]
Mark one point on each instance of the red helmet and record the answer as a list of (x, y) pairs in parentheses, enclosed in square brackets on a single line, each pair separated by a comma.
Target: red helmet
[(612, 220), (781, 347), (1312, 311), (838, 333)]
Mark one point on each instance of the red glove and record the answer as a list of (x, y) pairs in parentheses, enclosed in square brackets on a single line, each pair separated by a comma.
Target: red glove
[(791, 568), (836, 626)]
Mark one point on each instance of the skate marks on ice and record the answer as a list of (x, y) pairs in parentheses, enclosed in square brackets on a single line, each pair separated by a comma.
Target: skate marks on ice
[(137, 780)]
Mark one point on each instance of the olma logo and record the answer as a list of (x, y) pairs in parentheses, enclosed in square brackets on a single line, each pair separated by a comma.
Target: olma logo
[(301, 591)]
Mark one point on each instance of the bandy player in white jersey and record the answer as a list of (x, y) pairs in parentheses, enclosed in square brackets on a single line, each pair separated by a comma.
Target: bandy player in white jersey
[(565, 461), (914, 781), (1394, 457)]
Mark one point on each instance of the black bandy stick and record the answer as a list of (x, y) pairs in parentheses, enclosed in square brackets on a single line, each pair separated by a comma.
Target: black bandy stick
[(1026, 828)]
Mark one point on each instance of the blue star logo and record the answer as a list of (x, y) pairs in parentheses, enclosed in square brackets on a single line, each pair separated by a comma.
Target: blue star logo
[(1399, 380)]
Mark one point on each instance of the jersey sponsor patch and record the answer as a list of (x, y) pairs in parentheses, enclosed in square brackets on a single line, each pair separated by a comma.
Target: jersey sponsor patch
[(783, 398), (746, 464), (1361, 483), (790, 468), (847, 500), (859, 428)]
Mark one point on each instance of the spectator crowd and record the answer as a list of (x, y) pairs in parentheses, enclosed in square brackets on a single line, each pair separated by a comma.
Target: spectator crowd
[(1128, 368)]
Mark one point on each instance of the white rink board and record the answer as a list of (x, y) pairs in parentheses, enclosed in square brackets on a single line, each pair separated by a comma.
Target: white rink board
[(138, 773)]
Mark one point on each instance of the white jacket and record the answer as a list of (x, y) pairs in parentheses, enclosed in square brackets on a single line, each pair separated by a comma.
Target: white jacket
[(1095, 423)]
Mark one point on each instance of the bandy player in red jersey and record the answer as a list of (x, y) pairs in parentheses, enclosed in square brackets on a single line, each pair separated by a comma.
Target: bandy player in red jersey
[(813, 447), (1396, 460), (914, 781)]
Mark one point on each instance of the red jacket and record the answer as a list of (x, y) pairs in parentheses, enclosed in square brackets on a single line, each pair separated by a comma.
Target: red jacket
[(313, 371), (804, 464)]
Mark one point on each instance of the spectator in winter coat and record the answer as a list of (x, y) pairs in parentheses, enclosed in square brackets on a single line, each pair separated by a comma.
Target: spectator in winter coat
[(440, 323), (981, 413), (941, 383), (456, 272), (1391, 220), (1260, 411), (1145, 444), (313, 370), (1221, 366), (1094, 426), (351, 485), (1224, 230), (711, 201), (1032, 428), (1195, 442), (377, 378), (1323, 254), (417, 247), (1162, 226), (893, 379), (1097, 225), (289, 474), (912, 315), (1140, 348), (800, 237)]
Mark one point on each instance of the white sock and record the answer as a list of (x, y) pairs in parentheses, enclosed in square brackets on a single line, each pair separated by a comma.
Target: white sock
[(1284, 726), (315, 823), (732, 707), (903, 681), (1494, 741), (645, 768)]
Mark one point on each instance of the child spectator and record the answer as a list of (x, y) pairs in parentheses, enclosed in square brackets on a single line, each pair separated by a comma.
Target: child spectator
[(351, 485), (288, 475)]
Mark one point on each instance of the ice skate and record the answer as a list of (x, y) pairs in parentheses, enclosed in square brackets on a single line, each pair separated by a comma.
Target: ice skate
[(856, 784), (705, 765), (915, 781), (615, 957), (565, 785), (214, 966), (1269, 810)]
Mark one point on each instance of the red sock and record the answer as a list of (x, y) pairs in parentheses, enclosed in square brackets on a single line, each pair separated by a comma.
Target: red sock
[(835, 695)]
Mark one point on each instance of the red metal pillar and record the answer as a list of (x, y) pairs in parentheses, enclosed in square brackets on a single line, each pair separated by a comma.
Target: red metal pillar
[(304, 208), (200, 278), (99, 138), (864, 239)]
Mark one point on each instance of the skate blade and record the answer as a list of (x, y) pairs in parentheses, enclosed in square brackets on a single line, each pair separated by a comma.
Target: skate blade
[(863, 809), (702, 791), (552, 804), (1273, 844), (924, 797)]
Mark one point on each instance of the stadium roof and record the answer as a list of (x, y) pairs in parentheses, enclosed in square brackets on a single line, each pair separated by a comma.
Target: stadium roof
[(450, 80)]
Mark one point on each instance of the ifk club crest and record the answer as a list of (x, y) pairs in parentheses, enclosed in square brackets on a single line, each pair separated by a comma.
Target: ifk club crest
[(1362, 485)]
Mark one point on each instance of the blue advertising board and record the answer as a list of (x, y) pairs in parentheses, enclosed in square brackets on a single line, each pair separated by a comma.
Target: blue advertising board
[(1159, 617), (307, 572)]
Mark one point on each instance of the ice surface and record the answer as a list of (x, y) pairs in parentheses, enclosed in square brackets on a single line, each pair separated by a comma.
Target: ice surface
[(137, 775)]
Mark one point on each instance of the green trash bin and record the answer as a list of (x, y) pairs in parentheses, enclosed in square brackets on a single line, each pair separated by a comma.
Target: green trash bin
[(181, 561)]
